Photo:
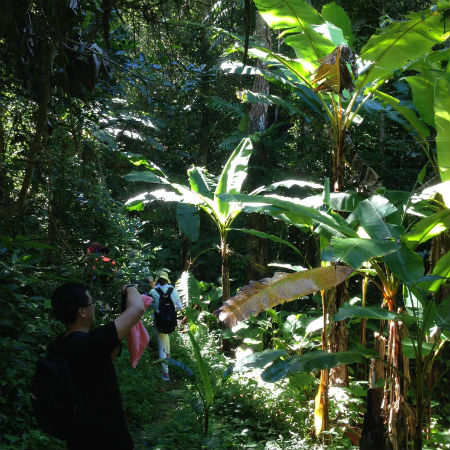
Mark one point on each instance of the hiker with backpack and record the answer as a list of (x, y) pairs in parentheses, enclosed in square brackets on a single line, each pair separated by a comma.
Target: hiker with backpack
[(75, 393), (166, 301)]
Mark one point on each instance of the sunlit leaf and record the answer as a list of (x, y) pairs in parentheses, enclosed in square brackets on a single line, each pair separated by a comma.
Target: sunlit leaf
[(145, 176), (336, 15), (400, 43), (188, 288), (282, 287), (409, 348), (294, 207), (198, 181), (442, 125), (203, 370), (233, 175), (442, 270), (427, 228)]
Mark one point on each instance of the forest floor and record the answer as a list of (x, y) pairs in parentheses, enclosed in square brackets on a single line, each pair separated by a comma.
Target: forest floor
[(165, 419)]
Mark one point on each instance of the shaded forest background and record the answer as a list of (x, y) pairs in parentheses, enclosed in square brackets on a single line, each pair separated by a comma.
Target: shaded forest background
[(93, 90)]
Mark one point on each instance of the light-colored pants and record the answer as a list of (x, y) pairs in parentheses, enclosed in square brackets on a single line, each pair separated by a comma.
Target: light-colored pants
[(163, 347)]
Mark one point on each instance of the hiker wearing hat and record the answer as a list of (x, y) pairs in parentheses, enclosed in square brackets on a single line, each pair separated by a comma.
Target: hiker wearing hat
[(166, 301)]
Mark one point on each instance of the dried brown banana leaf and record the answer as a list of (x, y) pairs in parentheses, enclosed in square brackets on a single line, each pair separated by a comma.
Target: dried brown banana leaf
[(282, 287)]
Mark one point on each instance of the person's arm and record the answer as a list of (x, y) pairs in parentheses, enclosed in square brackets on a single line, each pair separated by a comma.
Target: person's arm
[(133, 312), (154, 294), (175, 297)]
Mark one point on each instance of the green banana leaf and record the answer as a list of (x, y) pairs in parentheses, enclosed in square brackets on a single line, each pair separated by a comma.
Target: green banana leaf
[(310, 362), (399, 43), (371, 218), (409, 348), (414, 122), (232, 177), (356, 251), (336, 15), (419, 306), (260, 359), (198, 182), (406, 264), (442, 125), (145, 176), (347, 311), (441, 270), (289, 206), (188, 221), (427, 228)]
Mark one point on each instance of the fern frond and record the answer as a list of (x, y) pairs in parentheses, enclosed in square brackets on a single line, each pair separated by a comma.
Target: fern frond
[(232, 110)]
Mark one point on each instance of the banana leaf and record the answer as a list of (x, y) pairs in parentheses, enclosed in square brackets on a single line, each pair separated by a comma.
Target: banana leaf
[(198, 182), (442, 125), (427, 228), (336, 15), (188, 221), (282, 287), (355, 251), (310, 362), (260, 359), (399, 43), (347, 311), (289, 206), (232, 177), (441, 270)]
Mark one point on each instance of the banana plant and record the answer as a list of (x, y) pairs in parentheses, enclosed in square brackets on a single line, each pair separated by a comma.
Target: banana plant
[(319, 71), (201, 195)]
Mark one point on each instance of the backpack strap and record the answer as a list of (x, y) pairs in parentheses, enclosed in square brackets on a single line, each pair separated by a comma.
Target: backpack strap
[(64, 345), (167, 294)]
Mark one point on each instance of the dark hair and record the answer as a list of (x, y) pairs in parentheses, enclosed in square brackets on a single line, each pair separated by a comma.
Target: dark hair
[(162, 281), (66, 300)]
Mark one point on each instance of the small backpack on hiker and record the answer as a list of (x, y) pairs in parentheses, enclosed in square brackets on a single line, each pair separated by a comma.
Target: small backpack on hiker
[(166, 318), (54, 397)]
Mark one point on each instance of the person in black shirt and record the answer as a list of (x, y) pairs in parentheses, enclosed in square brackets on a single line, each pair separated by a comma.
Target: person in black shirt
[(101, 423)]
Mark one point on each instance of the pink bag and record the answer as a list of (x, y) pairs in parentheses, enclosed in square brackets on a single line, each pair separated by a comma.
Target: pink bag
[(138, 337)]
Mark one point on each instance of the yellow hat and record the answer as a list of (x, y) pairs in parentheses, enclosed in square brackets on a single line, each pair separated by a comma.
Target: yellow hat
[(162, 275)]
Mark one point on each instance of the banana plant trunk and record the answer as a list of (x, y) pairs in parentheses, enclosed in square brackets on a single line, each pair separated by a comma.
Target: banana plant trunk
[(396, 410), (257, 247), (225, 268), (338, 295)]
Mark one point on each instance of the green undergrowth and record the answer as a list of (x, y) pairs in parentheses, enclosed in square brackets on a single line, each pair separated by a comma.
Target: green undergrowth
[(246, 412)]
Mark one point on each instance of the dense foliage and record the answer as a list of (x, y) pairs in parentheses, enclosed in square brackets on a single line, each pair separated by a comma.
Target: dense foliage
[(217, 141)]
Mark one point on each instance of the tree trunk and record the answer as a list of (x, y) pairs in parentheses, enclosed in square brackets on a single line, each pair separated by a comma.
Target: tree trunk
[(44, 67), (256, 247), (337, 333)]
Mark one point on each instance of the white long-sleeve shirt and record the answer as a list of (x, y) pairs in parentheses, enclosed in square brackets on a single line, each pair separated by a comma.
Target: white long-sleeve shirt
[(175, 297)]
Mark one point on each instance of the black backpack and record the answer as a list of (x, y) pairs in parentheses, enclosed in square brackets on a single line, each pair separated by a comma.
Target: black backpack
[(55, 399), (166, 318)]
